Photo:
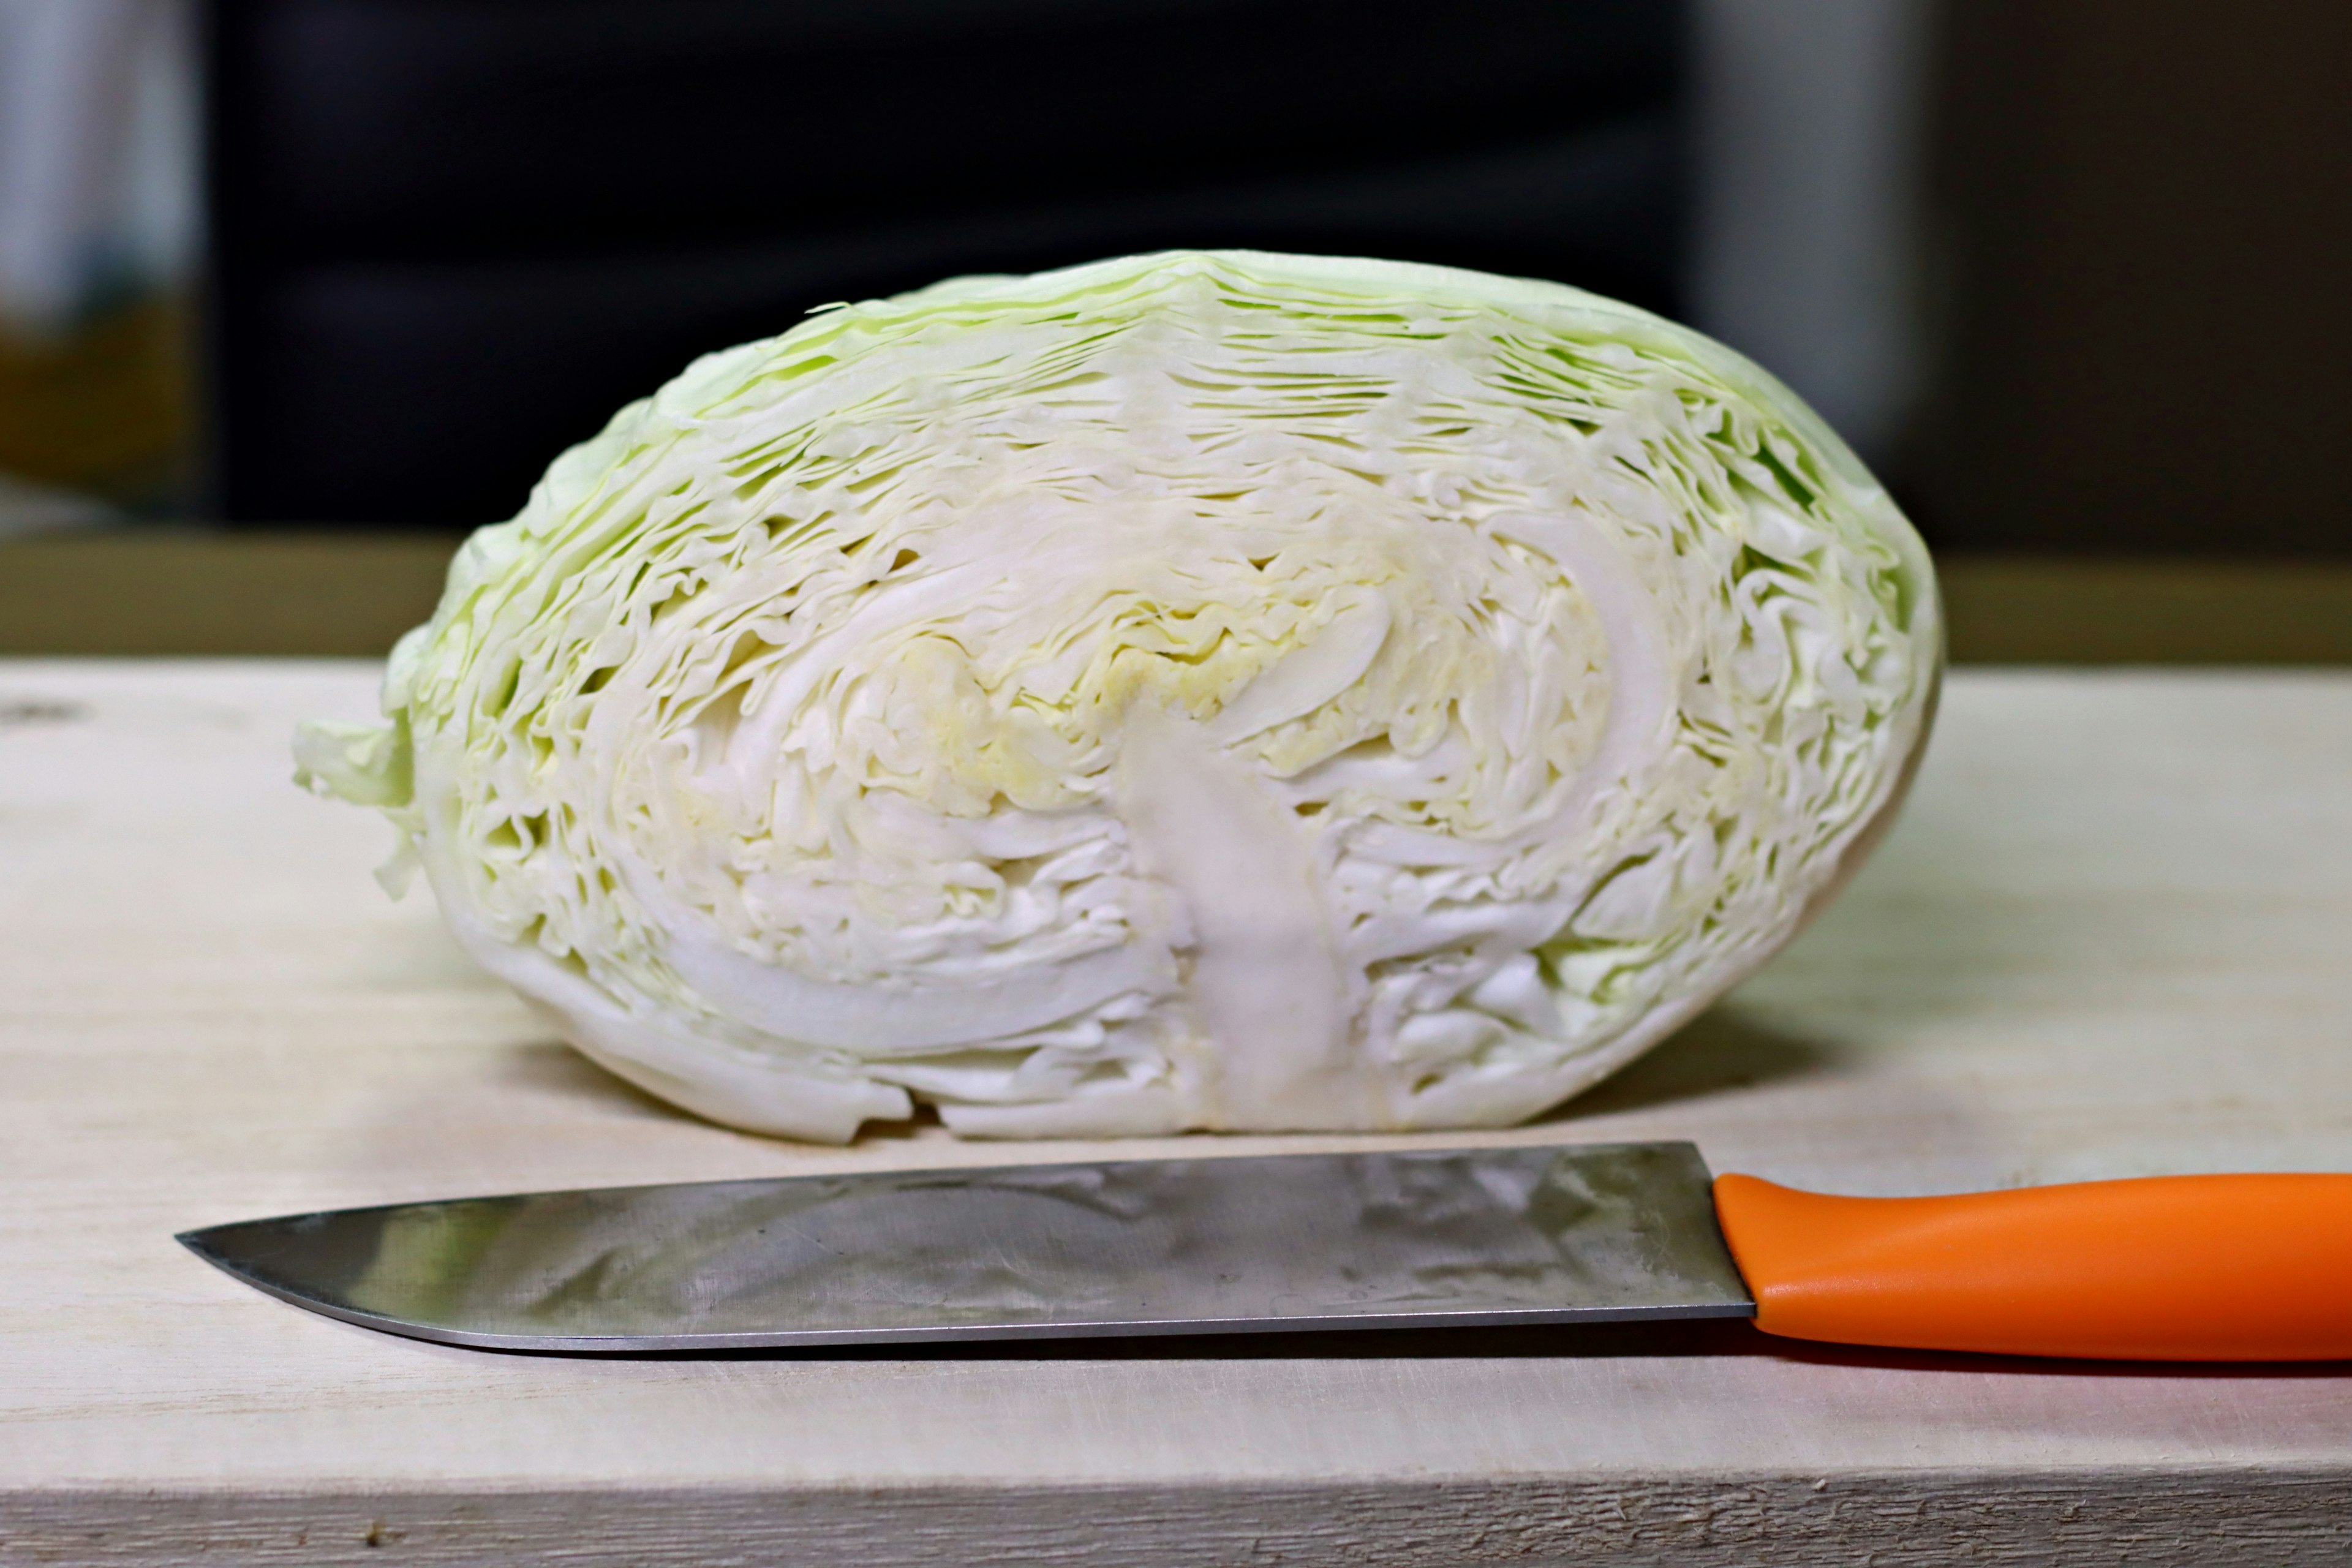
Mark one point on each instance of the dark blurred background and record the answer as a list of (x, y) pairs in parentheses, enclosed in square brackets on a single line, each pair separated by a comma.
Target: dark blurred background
[(452, 235), (2071, 273)]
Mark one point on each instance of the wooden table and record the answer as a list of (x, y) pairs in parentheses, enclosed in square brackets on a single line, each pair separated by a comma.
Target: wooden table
[(2111, 936)]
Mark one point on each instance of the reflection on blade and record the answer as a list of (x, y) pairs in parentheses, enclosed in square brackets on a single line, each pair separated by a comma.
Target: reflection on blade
[(1307, 1241)]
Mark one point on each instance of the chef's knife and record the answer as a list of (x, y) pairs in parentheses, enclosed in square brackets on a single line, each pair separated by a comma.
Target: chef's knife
[(2231, 1267)]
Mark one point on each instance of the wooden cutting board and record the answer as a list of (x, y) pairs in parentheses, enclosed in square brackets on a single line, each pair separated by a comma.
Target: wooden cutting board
[(2113, 935)]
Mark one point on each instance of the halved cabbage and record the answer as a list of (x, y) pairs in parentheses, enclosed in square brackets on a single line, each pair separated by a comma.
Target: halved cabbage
[(1194, 691)]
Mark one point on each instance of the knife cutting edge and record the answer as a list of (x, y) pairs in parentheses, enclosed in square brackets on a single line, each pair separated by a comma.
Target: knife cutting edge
[(2211, 1267)]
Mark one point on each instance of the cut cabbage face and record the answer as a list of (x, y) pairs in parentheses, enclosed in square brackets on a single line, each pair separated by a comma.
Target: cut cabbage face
[(1208, 690)]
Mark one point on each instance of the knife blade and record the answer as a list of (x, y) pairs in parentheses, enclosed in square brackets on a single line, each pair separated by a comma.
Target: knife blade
[(2233, 1268)]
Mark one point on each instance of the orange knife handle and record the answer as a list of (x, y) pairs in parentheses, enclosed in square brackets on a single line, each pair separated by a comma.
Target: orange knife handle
[(2241, 1267)]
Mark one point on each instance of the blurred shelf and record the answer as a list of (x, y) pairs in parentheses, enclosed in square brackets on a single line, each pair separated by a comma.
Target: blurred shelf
[(188, 593), (2029, 610), (198, 594)]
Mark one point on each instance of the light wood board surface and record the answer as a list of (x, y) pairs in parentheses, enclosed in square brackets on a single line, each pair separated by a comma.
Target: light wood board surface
[(2111, 936)]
